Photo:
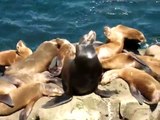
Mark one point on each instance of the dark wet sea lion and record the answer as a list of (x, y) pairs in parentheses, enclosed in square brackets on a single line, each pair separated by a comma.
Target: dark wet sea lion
[(26, 96), (80, 74), (142, 85)]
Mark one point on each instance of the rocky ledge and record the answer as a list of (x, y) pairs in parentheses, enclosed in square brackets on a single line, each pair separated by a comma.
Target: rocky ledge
[(92, 107)]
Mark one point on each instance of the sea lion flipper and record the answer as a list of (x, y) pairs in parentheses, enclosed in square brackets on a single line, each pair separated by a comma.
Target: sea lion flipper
[(136, 94), (26, 111), (58, 101), (6, 99), (137, 59), (105, 93)]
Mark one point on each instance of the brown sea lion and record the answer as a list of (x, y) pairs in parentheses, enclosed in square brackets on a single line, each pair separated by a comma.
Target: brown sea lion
[(8, 83), (37, 62), (116, 37), (114, 46), (65, 49), (26, 96), (147, 63), (9, 57), (142, 85), (81, 74)]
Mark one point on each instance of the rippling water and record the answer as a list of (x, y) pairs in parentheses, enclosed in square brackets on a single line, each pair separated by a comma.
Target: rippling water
[(39, 20)]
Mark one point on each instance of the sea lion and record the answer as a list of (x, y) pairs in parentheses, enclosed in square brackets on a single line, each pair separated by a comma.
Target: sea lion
[(65, 49), (68, 49), (26, 96), (8, 83), (37, 62), (116, 40), (121, 60), (80, 74), (142, 85), (8, 57)]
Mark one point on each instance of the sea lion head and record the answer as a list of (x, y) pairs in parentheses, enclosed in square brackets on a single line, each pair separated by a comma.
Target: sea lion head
[(85, 50), (22, 49), (88, 38)]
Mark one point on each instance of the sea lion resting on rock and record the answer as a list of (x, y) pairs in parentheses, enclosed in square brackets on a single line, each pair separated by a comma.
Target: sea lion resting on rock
[(153, 50), (37, 62), (142, 86), (9, 83), (26, 96), (8, 57), (117, 36), (121, 60), (81, 74), (65, 49)]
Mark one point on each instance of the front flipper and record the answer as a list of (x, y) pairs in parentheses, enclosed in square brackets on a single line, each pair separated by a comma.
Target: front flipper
[(105, 93), (58, 101), (147, 68), (136, 93), (26, 111), (6, 99)]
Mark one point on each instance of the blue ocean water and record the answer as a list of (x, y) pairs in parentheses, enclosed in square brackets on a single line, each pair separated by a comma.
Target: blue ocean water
[(35, 21)]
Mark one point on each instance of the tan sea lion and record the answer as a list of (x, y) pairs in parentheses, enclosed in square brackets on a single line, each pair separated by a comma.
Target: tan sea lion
[(117, 36), (65, 49), (8, 83), (26, 96), (148, 63), (142, 85), (37, 62), (9, 57)]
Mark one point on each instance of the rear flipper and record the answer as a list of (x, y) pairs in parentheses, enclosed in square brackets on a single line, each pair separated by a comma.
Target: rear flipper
[(136, 93), (146, 68), (151, 104), (55, 67), (60, 100), (6, 99), (105, 93), (26, 111)]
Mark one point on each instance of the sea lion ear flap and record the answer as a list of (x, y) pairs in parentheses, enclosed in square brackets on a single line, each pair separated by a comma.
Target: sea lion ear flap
[(6, 99)]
